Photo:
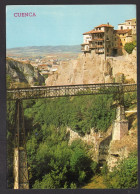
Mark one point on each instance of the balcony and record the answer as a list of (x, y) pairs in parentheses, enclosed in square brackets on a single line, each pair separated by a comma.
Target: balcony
[(99, 46), (84, 44), (84, 49), (98, 40)]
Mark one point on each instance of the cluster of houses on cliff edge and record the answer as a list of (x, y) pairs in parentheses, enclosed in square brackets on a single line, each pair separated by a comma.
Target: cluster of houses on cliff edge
[(103, 39)]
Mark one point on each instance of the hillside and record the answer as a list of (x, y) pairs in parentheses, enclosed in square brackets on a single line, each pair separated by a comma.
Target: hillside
[(40, 50), (20, 72)]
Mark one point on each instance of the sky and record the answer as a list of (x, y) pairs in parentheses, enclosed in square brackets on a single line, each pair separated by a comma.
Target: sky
[(60, 24)]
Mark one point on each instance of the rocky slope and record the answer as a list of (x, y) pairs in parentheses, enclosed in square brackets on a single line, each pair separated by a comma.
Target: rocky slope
[(92, 68), (22, 72), (104, 149), (119, 150)]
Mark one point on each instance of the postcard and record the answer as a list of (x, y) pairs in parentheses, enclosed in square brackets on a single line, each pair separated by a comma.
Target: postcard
[(71, 81)]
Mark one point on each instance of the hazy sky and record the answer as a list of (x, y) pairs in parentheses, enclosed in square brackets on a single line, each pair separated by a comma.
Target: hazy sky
[(60, 24)]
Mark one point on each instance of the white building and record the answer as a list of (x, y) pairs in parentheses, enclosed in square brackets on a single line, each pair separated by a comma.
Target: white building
[(128, 24)]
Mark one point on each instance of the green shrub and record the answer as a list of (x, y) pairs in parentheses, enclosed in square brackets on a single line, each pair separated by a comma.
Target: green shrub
[(125, 175), (129, 47)]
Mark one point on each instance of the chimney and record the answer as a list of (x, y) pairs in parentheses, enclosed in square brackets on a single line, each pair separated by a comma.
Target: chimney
[(108, 23)]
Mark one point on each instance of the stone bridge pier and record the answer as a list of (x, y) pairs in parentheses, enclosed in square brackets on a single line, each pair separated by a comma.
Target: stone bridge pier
[(120, 127)]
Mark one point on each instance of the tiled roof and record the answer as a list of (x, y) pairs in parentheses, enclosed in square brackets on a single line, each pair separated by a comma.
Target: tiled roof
[(122, 31), (93, 32), (122, 24), (104, 25)]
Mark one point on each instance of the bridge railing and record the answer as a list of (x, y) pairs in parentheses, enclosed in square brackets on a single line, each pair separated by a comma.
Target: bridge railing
[(68, 90)]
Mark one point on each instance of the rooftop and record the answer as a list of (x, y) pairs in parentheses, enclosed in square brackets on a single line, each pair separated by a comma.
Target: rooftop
[(131, 19), (105, 25), (93, 32), (122, 31)]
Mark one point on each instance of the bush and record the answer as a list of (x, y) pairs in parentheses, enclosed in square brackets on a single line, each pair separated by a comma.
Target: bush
[(129, 47), (125, 175), (54, 164)]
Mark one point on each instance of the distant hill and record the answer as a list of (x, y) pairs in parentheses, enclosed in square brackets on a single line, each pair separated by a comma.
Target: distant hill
[(44, 49)]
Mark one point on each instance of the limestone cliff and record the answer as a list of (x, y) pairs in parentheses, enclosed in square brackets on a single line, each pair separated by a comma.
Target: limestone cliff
[(92, 68), (22, 72)]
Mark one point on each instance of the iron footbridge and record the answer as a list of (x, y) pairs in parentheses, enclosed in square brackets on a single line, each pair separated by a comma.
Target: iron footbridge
[(21, 178), (68, 90)]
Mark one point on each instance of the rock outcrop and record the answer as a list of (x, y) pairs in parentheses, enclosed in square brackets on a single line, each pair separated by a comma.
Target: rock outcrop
[(97, 141), (92, 68), (103, 149), (22, 72)]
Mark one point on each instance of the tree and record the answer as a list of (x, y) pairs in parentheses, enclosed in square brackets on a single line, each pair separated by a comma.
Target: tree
[(129, 47)]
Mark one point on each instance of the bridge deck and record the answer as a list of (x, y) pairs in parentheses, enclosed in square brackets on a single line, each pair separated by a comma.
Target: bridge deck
[(68, 90)]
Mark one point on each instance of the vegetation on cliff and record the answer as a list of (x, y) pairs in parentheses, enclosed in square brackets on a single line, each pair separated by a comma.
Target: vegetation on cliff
[(53, 163), (129, 47), (124, 175)]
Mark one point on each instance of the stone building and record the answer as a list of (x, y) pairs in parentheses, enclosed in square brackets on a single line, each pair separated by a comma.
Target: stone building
[(121, 38), (103, 39), (99, 39), (128, 24)]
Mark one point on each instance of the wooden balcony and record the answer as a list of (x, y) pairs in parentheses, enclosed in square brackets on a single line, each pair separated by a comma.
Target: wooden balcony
[(98, 40)]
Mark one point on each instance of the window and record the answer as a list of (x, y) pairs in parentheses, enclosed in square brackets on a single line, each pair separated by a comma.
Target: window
[(121, 27), (115, 39), (124, 39), (120, 44)]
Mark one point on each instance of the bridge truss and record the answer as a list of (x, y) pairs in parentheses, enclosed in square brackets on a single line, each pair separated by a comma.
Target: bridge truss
[(68, 90)]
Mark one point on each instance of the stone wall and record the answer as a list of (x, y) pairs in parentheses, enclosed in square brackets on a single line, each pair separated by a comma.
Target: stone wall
[(94, 139)]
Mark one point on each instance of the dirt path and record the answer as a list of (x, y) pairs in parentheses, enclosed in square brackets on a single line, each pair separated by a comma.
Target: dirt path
[(95, 183)]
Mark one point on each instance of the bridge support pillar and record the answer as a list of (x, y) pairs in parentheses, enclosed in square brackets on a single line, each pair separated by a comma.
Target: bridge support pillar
[(21, 180), (20, 169), (120, 127)]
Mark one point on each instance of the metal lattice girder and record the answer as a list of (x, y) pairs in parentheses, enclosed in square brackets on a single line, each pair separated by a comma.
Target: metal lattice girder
[(68, 90)]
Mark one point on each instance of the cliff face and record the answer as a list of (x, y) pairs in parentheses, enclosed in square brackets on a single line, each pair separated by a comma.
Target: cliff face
[(86, 69), (126, 64), (22, 72), (104, 149), (93, 68)]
